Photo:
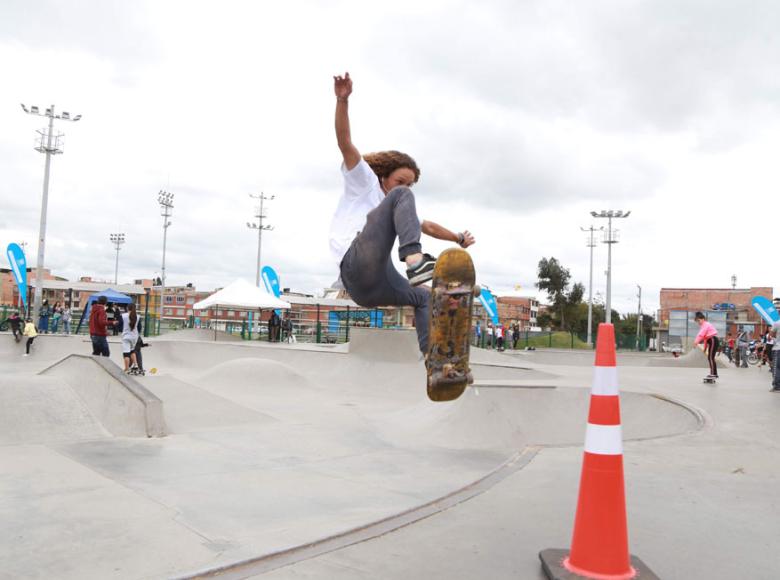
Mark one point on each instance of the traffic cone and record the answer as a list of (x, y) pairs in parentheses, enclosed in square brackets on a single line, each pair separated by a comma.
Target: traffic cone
[(599, 546)]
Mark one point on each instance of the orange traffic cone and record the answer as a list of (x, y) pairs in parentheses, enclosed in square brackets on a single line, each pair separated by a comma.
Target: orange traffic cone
[(599, 546)]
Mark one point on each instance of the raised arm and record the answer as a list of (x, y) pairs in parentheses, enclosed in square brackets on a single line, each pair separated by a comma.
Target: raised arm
[(464, 239), (342, 86)]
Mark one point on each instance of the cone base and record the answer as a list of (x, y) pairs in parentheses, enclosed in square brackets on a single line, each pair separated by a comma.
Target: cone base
[(552, 564)]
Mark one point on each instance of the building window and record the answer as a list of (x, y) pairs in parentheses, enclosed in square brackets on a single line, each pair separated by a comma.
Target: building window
[(231, 313), (180, 299), (189, 312), (169, 299)]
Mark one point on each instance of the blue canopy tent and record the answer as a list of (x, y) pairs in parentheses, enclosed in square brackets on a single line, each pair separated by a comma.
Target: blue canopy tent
[(111, 295)]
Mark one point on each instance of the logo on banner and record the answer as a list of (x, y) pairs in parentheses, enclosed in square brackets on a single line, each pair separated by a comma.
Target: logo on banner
[(765, 309), (489, 304), (19, 268), (271, 281)]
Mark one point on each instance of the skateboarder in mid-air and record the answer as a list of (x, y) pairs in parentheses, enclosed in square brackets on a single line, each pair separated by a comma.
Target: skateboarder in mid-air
[(377, 207), (708, 337)]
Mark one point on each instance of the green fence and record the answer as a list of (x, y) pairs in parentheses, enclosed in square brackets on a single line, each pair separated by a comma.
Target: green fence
[(555, 339)]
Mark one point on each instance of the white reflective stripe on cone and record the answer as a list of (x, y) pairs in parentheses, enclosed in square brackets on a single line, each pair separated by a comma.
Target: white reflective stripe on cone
[(605, 381), (604, 439)]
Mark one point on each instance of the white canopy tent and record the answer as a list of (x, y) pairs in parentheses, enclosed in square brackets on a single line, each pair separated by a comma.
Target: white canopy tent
[(241, 295)]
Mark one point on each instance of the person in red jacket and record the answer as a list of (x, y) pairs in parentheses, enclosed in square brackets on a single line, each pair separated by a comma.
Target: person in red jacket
[(98, 328)]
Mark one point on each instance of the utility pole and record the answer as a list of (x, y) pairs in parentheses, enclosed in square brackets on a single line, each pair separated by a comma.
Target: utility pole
[(51, 147), (734, 282), (117, 240), (165, 199), (591, 243), (260, 228), (610, 238), (639, 319)]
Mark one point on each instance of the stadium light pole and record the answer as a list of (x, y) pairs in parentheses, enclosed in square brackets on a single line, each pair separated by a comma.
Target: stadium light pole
[(49, 144), (117, 240), (591, 243), (260, 229), (611, 237), (165, 199)]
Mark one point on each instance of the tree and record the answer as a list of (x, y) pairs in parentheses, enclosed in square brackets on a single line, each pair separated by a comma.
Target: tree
[(554, 279)]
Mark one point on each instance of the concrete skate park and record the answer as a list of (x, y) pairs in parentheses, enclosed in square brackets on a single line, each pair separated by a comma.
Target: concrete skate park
[(249, 459)]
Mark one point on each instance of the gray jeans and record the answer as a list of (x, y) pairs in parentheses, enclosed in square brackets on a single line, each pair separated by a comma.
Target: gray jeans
[(367, 269)]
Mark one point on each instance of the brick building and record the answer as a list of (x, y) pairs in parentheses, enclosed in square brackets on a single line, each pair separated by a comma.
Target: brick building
[(726, 308), (517, 310)]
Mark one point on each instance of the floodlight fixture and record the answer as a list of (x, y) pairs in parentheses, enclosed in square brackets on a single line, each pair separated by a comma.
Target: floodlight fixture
[(50, 145), (609, 239), (260, 215)]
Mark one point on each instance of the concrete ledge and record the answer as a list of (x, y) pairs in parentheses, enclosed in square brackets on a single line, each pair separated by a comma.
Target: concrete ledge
[(121, 404)]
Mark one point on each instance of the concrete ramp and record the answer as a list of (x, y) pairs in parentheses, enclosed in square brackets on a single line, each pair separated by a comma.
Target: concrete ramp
[(257, 373), (121, 405), (509, 419), (694, 358), (43, 410), (384, 345)]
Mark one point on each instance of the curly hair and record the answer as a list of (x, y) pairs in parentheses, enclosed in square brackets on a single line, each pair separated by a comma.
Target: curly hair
[(385, 162)]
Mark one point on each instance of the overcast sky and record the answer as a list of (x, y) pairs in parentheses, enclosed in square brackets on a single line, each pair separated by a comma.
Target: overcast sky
[(523, 117)]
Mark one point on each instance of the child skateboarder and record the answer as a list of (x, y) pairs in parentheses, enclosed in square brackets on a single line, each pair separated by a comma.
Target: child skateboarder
[(377, 207), (708, 337)]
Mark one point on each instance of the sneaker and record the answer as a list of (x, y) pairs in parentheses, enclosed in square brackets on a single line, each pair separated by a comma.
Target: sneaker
[(422, 272), (25, 354)]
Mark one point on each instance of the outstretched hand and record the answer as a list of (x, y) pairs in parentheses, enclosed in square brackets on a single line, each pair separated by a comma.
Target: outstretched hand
[(468, 239), (342, 86)]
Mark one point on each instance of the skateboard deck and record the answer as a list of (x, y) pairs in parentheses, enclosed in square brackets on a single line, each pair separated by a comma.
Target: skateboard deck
[(452, 302), (709, 381)]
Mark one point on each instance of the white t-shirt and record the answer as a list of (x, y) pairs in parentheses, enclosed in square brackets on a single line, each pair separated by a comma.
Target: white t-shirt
[(127, 332), (362, 193)]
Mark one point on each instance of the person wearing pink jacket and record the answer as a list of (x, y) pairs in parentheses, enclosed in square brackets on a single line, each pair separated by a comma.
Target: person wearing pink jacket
[(708, 338)]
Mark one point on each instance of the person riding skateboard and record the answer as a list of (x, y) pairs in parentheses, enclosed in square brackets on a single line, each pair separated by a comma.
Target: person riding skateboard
[(377, 207), (708, 337)]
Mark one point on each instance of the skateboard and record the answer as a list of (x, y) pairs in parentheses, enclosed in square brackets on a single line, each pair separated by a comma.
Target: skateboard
[(452, 301), (709, 380)]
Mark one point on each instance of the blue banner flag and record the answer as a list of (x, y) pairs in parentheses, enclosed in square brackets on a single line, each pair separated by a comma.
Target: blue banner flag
[(489, 304), (766, 309), (271, 281), (19, 268)]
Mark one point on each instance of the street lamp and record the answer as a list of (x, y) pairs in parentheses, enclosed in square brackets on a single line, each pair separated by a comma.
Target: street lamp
[(165, 199), (260, 229), (591, 243), (117, 240), (49, 144), (611, 237)]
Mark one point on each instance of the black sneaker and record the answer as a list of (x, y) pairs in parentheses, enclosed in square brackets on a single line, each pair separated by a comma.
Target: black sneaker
[(422, 272)]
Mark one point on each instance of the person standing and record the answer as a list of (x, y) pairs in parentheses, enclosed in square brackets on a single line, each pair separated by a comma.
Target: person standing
[(66, 319), (274, 326), (30, 332), (776, 352), (500, 337), (743, 340), (490, 333), (708, 338), (515, 335), (16, 325), (43, 317), (130, 339), (56, 314), (98, 328)]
